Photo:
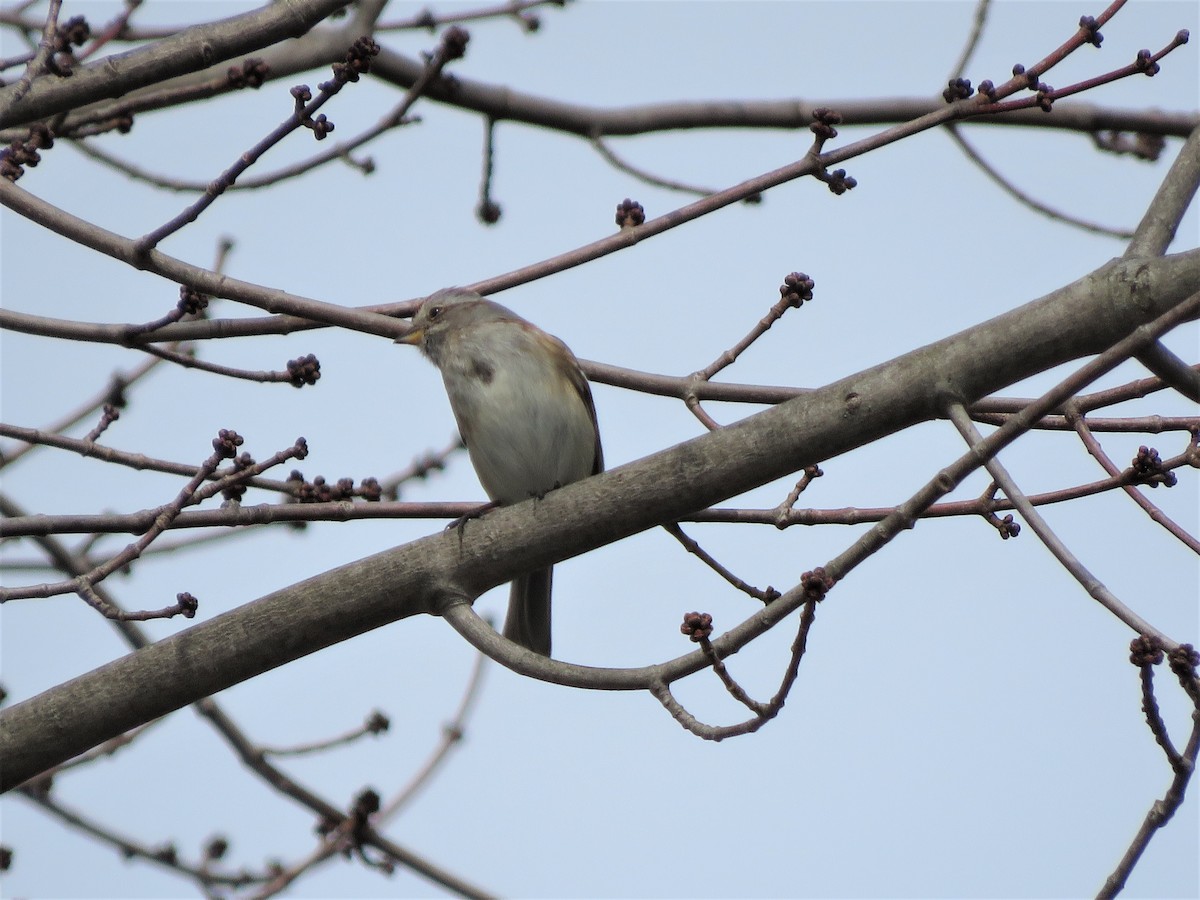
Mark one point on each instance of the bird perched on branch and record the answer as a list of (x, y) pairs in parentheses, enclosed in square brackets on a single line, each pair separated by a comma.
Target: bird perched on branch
[(525, 413)]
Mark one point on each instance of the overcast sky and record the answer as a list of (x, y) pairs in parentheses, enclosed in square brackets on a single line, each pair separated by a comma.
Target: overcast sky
[(966, 722)]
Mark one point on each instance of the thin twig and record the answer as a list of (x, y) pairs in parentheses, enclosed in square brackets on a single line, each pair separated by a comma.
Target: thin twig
[(764, 712), (376, 723), (46, 48), (1027, 199), (1152, 510), (979, 20), (165, 855), (766, 596), (1069, 561), (642, 175), (1162, 810)]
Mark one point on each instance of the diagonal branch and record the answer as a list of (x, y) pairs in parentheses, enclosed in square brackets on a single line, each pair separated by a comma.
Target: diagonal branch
[(442, 573), (191, 50)]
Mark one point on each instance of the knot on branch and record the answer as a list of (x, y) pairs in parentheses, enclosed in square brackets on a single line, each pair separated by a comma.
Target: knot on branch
[(320, 491), (371, 490), (72, 33), (488, 211), (1144, 63), (1030, 76), (216, 848), (166, 853), (236, 490)]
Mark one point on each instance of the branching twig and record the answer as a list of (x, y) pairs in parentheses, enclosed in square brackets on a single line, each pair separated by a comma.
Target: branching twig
[(452, 734), (763, 712), (115, 393), (766, 596), (164, 855), (1027, 199), (245, 749), (45, 51), (139, 461), (343, 511), (977, 25), (358, 60), (1068, 560), (376, 723), (398, 116), (795, 290), (420, 468), (224, 447), (647, 177), (1156, 514), (516, 9), (1184, 660)]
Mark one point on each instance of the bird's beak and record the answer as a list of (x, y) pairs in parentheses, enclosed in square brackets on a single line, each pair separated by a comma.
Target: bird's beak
[(413, 338)]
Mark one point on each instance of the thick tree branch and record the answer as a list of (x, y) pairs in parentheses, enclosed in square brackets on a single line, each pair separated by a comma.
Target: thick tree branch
[(192, 50), (425, 576)]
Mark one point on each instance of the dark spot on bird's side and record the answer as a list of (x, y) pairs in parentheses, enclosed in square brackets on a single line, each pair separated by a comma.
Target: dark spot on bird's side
[(483, 371)]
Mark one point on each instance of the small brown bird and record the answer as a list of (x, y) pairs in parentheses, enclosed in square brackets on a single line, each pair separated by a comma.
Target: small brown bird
[(525, 412)]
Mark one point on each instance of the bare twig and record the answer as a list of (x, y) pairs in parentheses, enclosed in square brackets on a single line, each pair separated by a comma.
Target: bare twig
[(978, 22), (1184, 660), (1138, 497), (224, 447), (514, 9), (41, 59), (646, 177), (115, 393), (1093, 585), (164, 855), (1027, 199), (376, 723), (398, 116), (357, 61), (766, 596), (763, 712)]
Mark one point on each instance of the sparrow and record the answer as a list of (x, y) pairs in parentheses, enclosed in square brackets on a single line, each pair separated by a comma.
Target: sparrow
[(525, 413)]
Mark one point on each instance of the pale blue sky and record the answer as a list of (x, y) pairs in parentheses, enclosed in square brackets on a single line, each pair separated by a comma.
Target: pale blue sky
[(966, 722)]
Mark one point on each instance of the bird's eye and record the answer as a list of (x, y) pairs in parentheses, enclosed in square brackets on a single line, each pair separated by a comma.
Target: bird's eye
[(434, 312)]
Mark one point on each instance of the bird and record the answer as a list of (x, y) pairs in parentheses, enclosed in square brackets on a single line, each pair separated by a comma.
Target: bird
[(525, 413)]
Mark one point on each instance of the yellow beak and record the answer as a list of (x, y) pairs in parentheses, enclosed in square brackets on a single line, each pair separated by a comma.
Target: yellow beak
[(413, 338)]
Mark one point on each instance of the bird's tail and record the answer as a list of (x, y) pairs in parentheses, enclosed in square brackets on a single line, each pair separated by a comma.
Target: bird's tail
[(528, 620)]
